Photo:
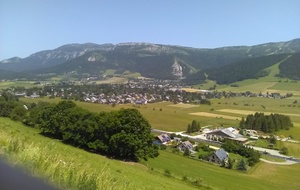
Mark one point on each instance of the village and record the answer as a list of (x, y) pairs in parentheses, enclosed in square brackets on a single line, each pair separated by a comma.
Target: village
[(211, 141), (133, 92)]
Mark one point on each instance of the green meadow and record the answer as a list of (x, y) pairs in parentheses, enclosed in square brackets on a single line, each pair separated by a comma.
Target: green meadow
[(176, 117), (71, 168), (262, 176), (67, 167), (8, 84)]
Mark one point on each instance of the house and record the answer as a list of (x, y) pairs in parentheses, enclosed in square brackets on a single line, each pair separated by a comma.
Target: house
[(141, 101), (185, 145), (218, 156), (162, 139), (227, 133), (34, 96)]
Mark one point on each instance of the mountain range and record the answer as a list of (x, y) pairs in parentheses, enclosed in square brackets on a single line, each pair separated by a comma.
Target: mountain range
[(160, 61)]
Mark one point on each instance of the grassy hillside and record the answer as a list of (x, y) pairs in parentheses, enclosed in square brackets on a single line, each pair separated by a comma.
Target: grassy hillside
[(269, 83), (72, 168), (263, 176)]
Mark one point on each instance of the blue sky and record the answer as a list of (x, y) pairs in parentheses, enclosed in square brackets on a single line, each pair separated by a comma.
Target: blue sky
[(34, 25)]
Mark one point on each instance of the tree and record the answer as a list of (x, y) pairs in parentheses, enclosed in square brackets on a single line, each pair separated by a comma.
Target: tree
[(273, 140), (284, 150), (189, 129), (123, 134), (194, 127), (230, 163), (223, 163), (267, 123), (242, 165), (18, 113), (186, 152), (242, 123)]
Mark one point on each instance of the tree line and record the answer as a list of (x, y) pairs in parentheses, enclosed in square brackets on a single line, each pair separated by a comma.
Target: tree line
[(266, 123), (194, 127), (123, 134)]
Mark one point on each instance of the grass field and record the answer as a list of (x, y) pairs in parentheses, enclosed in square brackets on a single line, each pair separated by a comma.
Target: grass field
[(113, 80), (213, 115), (273, 159), (245, 112), (8, 84), (262, 176), (73, 168), (176, 117)]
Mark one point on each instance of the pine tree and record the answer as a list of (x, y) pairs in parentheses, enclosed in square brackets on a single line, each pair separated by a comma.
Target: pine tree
[(242, 165), (242, 123), (186, 152), (198, 126), (194, 126), (189, 130), (230, 163)]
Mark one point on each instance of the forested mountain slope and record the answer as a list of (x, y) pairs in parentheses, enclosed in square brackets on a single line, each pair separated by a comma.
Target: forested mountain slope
[(245, 69), (290, 68), (154, 60)]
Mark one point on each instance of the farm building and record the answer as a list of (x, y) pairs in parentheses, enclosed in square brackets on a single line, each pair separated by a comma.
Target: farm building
[(162, 139), (185, 145), (218, 156), (227, 133)]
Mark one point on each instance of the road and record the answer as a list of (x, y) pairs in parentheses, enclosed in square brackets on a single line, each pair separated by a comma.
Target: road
[(270, 151)]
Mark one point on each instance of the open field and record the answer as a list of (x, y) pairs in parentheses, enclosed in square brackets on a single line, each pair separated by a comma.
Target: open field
[(183, 106), (206, 114), (262, 176), (176, 117), (170, 118), (113, 80), (245, 112), (294, 132), (8, 84), (191, 90), (72, 167)]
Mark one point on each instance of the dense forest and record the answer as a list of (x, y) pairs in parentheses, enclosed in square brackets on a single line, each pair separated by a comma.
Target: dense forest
[(266, 123), (123, 134), (290, 68), (252, 68)]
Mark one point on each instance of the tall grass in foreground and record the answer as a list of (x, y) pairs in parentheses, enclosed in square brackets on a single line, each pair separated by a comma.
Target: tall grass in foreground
[(64, 172)]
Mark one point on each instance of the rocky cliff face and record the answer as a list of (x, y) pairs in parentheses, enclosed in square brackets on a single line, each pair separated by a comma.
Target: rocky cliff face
[(49, 58), (177, 70)]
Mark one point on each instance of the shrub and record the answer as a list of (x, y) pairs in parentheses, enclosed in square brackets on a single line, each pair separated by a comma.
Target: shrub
[(284, 150)]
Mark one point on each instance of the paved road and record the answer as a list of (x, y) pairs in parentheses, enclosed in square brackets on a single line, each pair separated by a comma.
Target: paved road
[(270, 151), (287, 162)]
